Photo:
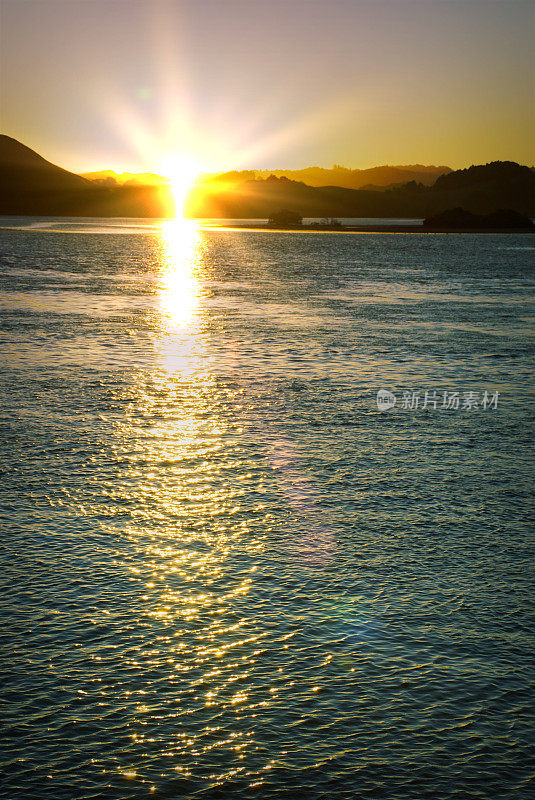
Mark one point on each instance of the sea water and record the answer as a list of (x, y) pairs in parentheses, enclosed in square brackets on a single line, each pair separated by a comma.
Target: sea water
[(227, 573)]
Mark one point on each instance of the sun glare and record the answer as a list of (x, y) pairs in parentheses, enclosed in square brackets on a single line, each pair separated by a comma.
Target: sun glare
[(181, 171), (180, 288)]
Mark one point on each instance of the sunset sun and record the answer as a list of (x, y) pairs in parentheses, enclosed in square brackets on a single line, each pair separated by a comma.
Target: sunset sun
[(181, 170)]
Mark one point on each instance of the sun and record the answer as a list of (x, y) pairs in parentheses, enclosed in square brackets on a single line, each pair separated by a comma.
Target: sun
[(181, 170)]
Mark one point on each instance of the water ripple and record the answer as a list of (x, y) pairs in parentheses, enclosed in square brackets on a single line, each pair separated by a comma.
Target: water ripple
[(226, 574)]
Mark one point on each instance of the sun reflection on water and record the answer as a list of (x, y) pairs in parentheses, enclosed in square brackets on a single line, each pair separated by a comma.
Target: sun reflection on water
[(193, 490), (181, 261), (180, 340)]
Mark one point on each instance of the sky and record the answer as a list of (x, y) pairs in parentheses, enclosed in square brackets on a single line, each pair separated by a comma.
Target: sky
[(235, 84)]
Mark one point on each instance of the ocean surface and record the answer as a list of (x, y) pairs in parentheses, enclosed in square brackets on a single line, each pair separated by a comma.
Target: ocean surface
[(226, 572)]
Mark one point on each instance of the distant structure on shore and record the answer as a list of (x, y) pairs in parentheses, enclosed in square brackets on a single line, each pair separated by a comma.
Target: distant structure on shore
[(286, 218), (292, 219)]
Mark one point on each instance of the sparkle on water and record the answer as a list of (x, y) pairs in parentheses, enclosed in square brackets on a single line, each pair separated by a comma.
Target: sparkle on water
[(227, 574)]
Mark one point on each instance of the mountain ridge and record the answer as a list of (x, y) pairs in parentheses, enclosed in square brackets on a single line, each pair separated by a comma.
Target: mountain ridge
[(31, 185)]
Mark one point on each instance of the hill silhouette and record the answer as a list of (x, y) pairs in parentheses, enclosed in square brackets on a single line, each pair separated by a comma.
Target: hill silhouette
[(483, 189), (23, 170), (111, 178), (480, 189), (31, 185), (374, 178)]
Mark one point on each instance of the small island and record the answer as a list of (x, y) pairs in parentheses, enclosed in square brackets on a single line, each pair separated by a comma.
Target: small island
[(285, 219), (457, 219)]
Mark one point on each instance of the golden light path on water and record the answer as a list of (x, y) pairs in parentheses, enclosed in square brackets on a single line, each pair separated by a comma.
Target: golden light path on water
[(181, 265), (197, 534), (188, 479), (183, 349)]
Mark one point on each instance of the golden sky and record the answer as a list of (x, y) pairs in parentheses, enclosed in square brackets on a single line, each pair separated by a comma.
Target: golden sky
[(121, 84)]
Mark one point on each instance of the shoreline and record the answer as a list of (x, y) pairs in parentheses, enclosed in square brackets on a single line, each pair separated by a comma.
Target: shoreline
[(365, 229), (226, 224)]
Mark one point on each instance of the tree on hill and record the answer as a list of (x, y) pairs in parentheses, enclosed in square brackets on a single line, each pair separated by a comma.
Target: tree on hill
[(499, 172)]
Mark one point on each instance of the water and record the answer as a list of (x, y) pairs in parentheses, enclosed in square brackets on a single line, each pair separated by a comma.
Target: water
[(130, 225), (227, 574)]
